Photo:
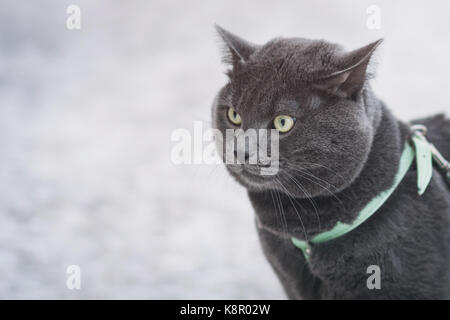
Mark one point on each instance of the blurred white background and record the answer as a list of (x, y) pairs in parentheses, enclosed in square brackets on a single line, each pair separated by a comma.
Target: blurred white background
[(85, 123)]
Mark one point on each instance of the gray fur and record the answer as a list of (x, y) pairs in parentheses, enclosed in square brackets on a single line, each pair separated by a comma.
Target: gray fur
[(343, 150)]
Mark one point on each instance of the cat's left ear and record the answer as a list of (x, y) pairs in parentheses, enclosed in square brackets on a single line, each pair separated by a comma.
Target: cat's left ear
[(237, 50), (349, 80)]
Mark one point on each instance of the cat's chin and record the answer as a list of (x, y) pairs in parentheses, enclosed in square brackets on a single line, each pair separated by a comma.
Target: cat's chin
[(294, 186), (251, 179)]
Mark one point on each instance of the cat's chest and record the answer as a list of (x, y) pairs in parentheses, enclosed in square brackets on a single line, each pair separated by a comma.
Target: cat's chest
[(302, 218)]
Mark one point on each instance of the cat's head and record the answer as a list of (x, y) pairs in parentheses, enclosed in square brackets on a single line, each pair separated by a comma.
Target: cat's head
[(315, 94)]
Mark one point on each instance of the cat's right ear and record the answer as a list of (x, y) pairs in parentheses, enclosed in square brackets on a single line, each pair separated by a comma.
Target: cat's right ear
[(350, 79), (236, 50)]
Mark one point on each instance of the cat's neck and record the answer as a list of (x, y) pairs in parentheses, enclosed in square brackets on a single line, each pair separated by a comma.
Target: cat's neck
[(279, 214)]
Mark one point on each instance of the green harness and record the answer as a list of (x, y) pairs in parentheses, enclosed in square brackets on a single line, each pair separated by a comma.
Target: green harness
[(424, 153)]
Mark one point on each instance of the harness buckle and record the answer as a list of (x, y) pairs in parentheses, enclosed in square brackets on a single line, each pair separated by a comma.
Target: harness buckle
[(438, 158)]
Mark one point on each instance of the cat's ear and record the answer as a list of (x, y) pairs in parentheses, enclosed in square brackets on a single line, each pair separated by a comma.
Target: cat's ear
[(349, 80), (236, 50)]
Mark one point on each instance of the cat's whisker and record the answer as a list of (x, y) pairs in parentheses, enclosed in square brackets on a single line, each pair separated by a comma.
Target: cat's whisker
[(308, 196), (280, 204), (310, 174), (302, 174), (323, 166), (275, 205), (290, 197), (282, 215)]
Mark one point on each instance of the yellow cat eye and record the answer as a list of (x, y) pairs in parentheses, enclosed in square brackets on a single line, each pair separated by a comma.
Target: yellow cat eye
[(283, 123), (234, 117)]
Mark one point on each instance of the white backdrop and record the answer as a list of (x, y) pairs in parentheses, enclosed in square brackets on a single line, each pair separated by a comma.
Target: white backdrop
[(85, 123)]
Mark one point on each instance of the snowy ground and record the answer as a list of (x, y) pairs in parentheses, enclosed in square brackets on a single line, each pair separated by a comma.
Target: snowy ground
[(85, 124)]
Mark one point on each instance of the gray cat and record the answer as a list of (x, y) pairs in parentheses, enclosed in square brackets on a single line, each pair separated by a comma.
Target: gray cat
[(339, 147)]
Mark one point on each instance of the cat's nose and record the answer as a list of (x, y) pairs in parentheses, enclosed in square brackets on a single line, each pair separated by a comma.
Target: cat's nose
[(246, 155)]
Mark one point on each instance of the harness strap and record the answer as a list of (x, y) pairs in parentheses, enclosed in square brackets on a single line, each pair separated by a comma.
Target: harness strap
[(422, 152)]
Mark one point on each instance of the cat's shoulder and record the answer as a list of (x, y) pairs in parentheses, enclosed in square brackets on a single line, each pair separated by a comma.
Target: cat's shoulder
[(434, 122)]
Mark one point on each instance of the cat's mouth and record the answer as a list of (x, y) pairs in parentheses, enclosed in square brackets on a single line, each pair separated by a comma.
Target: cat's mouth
[(253, 170), (254, 175)]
